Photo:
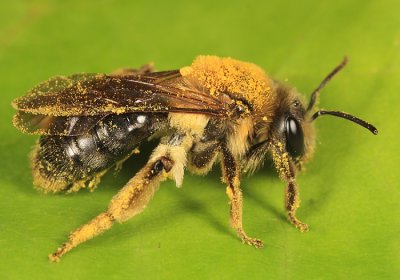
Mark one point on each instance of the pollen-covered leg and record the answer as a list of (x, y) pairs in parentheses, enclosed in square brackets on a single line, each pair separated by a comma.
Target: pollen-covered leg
[(167, 161), (101, 223), (292, 202), (287, 172), (230, 171), (91, 183), (131, 200), (202, 156)]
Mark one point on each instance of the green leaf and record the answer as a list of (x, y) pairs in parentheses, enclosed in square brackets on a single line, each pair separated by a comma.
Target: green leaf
[(349, 193)]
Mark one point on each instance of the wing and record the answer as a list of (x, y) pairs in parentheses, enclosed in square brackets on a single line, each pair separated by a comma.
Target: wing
[(74, 104), (52, 125)]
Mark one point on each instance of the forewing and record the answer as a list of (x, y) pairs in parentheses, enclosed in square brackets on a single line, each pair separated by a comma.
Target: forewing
[(98, 94), (52, 125)]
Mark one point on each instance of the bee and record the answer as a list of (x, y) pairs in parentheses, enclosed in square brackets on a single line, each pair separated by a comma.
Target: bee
[(216, 110)]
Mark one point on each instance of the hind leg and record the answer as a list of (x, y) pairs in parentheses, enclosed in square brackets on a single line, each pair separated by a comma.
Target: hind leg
[(131, 200), (167, 161)]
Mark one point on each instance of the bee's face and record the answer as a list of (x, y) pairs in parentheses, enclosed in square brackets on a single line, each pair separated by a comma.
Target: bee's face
[(292, 125), (290, 130)]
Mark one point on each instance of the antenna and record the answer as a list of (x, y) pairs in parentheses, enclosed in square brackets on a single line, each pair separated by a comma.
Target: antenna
[(346, 116), (315, 93)]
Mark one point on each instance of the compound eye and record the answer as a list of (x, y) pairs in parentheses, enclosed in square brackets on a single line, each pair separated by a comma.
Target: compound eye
[(294, 137)]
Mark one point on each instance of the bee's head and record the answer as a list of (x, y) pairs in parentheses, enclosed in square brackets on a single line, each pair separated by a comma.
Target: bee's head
[(292, 127), (294, 123)]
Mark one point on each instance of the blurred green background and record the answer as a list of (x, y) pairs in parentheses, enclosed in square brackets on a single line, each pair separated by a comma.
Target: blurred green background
[(350, 191)]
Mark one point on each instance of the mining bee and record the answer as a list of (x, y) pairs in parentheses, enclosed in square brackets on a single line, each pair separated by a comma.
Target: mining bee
[(216, 110)]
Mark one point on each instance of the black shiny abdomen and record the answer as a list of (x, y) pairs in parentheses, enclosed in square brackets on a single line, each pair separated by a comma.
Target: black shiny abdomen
[(62, 160)]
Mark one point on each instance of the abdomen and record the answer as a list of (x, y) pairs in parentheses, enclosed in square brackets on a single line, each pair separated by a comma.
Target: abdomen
[(61, 161)]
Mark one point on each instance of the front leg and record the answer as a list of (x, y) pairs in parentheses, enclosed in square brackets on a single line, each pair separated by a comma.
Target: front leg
[(230, 172), (287, 172)]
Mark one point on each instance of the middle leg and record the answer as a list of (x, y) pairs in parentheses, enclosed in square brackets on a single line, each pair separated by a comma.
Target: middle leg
[(230, 172)]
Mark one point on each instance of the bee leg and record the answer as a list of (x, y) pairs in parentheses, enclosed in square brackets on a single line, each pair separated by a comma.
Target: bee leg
[(91, 183), (230, 171), (130, 200), (202, 156), (95, 181), (167, 161), (292, 202), (287, 172)]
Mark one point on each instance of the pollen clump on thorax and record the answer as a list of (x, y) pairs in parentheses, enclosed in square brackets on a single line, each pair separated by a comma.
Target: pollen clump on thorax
[(227, 75)]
